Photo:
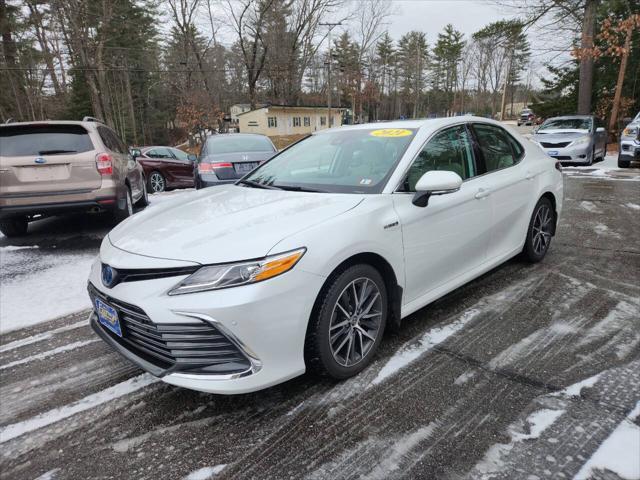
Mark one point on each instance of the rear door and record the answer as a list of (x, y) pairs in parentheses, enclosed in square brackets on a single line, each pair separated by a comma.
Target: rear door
[(183, 167), (46, 158)]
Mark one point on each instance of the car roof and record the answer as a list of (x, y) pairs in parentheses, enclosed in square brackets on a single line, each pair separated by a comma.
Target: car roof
[(572, 116), (54, 122), (430, 123), (235, 135)]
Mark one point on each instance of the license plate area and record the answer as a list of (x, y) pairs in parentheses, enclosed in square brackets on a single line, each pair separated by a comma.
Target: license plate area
[(108, 316), (553, 152), (244, 167), (43, 173)]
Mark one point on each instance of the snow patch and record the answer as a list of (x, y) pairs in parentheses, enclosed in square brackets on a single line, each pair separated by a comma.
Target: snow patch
[(576, 389), (632, 206), (205, 473), (412, 350), (538, 422), (614, 453), (9, 432), (13, 248), (464, 378), (50, 353), (41, 336), (590, 207), (50, 475)]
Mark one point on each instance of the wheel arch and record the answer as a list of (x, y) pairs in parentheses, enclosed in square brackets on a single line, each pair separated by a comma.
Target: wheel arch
[(552, 198), (394, 290)]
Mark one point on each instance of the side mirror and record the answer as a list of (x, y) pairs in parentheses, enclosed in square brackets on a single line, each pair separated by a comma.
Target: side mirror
[(436, 182), (192, 157), (135, 152), (600, 130)]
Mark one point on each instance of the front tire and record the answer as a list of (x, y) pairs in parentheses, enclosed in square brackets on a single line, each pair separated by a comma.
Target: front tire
[(540, 231), (347, 323), (157, 182), (14, 227), (623, 163)]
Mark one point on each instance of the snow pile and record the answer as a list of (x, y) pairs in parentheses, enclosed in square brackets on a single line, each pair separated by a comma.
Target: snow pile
[(205, 473), (614, 454)]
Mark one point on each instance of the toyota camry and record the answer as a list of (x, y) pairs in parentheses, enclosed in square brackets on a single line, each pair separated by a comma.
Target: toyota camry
[(302, 264)]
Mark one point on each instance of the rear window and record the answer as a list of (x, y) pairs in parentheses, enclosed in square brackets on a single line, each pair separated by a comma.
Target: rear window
[(33, 140), (233, 144)]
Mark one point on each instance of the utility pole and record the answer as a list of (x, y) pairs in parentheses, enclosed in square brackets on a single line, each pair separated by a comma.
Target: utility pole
[(330, 25), (503, 105)]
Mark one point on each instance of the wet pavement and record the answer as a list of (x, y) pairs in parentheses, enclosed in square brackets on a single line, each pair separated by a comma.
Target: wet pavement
[(530, 371)]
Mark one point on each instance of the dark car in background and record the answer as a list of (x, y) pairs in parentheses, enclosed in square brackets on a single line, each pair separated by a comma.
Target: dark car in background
[(227, 157), (166, 167)]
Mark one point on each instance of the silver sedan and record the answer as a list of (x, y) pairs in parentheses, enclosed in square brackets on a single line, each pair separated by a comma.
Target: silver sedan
[(573, 139)]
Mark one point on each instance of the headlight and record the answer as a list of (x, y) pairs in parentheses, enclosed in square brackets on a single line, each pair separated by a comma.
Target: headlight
[(227, 275), (581, 141), (630, 132)]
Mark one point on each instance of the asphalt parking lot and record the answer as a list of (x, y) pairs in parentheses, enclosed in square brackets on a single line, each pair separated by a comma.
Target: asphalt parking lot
[(528, 372)]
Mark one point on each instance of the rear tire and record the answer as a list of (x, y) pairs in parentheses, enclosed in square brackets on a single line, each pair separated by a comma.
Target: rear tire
[(121, 214), (541, 227), (14, 226), (144, 199), (347, 323), (157, 182)]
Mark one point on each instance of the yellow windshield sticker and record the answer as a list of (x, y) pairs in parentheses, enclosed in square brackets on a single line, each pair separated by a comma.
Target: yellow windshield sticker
[(391, 132)]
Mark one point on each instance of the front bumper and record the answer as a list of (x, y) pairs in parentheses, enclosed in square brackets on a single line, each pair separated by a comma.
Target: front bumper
[(204, 181), (569, 154), (267, 320), (629, 150)]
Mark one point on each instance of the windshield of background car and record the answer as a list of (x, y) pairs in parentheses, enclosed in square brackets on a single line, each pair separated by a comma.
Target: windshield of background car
[(341, 161), (566, 124), (34, 140), (237, 143)]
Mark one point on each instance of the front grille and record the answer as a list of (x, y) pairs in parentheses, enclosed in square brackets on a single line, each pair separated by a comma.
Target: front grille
[(561, 157), (554, 145), (197, 347)]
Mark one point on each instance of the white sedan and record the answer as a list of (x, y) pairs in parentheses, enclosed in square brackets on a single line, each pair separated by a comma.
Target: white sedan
[(302, 264)]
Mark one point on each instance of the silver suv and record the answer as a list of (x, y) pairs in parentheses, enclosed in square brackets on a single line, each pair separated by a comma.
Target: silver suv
[(53, 167), (629, 146)]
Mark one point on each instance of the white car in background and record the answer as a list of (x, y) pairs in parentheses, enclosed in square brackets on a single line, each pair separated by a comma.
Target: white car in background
[(303, 263)]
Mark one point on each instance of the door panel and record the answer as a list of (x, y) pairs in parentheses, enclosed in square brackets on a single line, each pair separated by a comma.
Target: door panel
[(445, 239)]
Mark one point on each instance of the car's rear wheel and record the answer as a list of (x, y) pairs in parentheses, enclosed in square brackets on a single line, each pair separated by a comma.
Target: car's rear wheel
[(144, 199), (14, 226), (157, 182), (540, 231), (121, 214), (347, 323)]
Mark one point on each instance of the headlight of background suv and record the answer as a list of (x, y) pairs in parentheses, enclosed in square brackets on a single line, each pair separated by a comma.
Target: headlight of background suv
[(630, 132), (581, 141), (214, 277)]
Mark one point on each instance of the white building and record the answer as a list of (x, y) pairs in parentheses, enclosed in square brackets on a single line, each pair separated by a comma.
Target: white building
[(275, 120)]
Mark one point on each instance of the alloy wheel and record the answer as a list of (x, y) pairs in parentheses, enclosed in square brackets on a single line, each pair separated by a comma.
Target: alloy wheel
[(355, 322), (542, 230), (157, 182)]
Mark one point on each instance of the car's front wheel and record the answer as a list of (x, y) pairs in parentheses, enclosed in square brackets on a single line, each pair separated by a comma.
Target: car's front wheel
[(157, 183), (623, 163), (347, 323), (540, 231), (14, 226)]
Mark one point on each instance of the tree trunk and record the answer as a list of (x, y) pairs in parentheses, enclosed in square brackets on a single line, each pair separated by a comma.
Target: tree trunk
[(623, 68), (586, 61)]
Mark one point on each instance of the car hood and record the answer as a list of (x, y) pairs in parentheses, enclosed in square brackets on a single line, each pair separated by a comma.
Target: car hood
[(559, 135), (226, 223)]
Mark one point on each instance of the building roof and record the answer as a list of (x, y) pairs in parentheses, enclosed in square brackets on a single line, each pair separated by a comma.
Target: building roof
[(293, 107)]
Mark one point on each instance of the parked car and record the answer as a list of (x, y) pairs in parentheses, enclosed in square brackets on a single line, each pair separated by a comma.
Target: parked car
[(54, 167), (527, 117), (304, 262), (166, 167), (227, 157), (629, 145), (573, 139)]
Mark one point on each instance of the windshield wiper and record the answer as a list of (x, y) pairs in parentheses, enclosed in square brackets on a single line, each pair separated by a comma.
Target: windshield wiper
[(296, 188), (52, 152), (253, 184)]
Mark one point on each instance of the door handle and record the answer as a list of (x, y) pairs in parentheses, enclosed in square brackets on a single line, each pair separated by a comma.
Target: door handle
[(482, 193)]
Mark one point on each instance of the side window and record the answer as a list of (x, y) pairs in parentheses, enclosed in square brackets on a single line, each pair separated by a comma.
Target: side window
[(159, 153), (449, 150), (180, 155), (106, 138), (495, 146)]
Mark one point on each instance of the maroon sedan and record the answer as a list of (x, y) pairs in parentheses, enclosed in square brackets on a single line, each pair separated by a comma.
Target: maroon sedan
[(166, 167)]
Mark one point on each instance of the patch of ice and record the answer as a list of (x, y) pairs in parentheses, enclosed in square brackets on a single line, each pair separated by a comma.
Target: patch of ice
[(205, 473), (398, 451), (632, 206), (41, 336), (50, 475), (412, 350), (619, 452), (590, 207), (623, 315), (49, 353), (60, 289), (9, 432)]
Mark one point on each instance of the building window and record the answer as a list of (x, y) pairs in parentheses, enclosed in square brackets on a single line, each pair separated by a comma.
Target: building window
[(272, 122), (331, 122), (296, 121), (323, 121), (307, 122)]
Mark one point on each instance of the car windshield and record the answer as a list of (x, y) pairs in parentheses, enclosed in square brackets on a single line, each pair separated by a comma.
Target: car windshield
[(566, 124), (237, 143), (340, 161)]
